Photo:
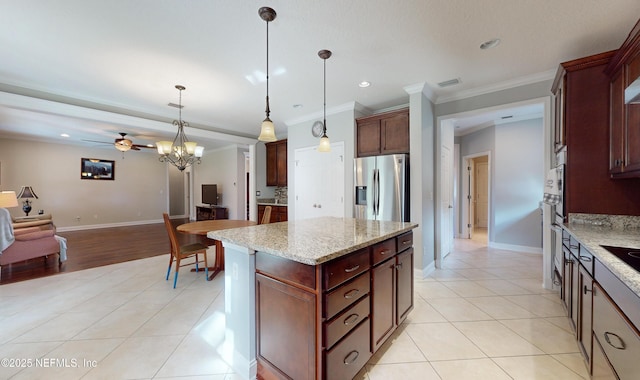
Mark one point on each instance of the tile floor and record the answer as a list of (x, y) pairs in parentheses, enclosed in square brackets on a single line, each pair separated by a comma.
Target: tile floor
[(485, 316)]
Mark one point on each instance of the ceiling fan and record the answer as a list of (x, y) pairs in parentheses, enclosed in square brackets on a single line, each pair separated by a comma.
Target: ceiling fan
[(124, 144)]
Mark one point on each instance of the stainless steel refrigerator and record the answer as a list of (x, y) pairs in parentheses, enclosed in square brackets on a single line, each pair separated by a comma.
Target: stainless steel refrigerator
[(382, 187)]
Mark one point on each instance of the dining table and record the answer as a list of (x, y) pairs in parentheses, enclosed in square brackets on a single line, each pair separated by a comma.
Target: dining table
[(201, 228)]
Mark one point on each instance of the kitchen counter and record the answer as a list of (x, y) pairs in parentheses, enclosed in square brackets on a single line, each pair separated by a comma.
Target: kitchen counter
[(271, 204), (312, 241), (623, 232)]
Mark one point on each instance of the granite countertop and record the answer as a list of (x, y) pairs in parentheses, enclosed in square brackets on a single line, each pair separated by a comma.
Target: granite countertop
[(592, 235), (312, 241), (272, 204)]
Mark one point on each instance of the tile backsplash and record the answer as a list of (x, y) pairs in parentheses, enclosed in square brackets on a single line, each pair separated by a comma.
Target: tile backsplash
[(281, 194)]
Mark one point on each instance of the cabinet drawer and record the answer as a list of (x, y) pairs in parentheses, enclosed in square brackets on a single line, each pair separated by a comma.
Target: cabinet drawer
[(342, 269), (347, 358), (405, 241), (345, 295), (382, 251), (619, 340), (586, 259), (566, 238), (346, 321)]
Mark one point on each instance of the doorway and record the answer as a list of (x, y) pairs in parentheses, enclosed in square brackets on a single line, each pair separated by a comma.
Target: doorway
[(476, 203)]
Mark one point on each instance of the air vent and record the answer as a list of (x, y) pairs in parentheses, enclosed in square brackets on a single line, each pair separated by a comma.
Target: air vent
[(450, 82), (175, 105), (506, 117)]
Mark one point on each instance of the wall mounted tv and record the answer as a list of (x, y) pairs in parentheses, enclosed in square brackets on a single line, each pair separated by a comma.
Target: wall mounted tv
[(210, 194)]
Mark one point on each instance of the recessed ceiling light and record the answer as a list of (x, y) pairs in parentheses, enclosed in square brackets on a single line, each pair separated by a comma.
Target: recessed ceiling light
[(364, 84), (64, 135), (490, 44)]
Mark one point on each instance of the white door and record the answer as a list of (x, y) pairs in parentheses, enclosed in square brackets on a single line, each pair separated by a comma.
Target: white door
[(446, 219), (319, 182), (471, 197)]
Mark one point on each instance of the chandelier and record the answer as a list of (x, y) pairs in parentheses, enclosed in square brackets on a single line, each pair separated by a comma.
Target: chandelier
[(181, 153)]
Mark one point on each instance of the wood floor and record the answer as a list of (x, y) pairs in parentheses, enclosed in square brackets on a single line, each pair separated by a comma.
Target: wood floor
[(94, 248)]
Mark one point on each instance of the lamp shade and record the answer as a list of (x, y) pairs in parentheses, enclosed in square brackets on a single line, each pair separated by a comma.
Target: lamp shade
[(267, 131), (8, 199), (325, 145), (27, 192)]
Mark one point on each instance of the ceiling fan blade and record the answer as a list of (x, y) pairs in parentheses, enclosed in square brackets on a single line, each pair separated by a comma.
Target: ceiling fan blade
[(143, 146), (99, 142)]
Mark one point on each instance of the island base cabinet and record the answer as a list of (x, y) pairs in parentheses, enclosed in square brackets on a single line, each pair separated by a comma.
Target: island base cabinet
[(345, 360), (383, 306), (404, 269), (285, 317)]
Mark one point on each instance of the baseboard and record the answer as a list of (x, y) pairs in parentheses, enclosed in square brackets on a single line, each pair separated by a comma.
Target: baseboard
[(107, 225), (517, 248), (421, 274)]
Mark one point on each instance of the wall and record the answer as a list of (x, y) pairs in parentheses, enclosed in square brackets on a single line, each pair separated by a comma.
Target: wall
[(517, 176), (261, 173), (226, 168), (137, 194), (519, 184)]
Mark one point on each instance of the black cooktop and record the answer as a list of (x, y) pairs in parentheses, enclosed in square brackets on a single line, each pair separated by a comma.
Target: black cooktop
[(630, 256)]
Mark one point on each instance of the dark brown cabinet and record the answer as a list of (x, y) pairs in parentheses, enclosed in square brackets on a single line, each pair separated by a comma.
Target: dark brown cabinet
[(278, 213), (277, 163), (624, 122), (211, 212), (386, 133), (392, 284), (319, 322)]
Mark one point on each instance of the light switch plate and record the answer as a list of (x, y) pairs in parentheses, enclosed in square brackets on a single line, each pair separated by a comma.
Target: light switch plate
[(257, 193)]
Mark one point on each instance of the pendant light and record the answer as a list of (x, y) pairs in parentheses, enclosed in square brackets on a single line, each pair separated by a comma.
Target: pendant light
[(267, 130), (325, 146)]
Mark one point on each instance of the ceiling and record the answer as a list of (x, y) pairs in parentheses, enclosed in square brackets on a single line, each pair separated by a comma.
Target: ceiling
[(93, 68)]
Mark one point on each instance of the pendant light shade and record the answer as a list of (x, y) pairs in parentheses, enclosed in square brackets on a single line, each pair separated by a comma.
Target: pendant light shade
[(325, 145), (267, 130)]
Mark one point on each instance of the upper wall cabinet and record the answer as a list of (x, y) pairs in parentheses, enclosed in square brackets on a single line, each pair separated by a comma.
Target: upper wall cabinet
[(277, 163), (624, 116), (386, 133)]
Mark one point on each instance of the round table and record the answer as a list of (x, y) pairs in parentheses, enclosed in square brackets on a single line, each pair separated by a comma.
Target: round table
[(202, 227)]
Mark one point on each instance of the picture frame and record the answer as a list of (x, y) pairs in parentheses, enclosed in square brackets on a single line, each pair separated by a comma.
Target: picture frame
[(96, 169)]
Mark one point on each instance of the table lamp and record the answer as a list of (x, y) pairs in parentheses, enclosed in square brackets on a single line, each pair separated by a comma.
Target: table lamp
[(8, 199), (25, 193)]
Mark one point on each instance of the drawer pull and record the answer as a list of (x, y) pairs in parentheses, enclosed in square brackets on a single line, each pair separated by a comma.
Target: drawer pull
[(352, 269), (351, 293), (573, 246), (351, 357), (587, 289), (353, 318), (620, 346), (405, 242), (399, 266), (557, 283), (384, 251), (585, 258)]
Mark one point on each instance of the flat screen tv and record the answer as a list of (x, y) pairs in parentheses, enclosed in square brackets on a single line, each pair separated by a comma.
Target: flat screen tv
[(210, 194)]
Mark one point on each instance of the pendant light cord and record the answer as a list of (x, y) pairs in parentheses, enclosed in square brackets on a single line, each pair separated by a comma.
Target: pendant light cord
[(267, 110)]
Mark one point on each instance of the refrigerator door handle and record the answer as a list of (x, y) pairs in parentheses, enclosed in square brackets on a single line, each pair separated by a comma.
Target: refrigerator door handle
[(376, 189), (374, 192)]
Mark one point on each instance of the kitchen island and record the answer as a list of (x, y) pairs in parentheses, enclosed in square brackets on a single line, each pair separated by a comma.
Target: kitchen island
[(315, 298)]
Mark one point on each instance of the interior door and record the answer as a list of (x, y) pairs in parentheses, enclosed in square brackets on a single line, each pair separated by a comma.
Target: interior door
[(307, 175), (471, 197)]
